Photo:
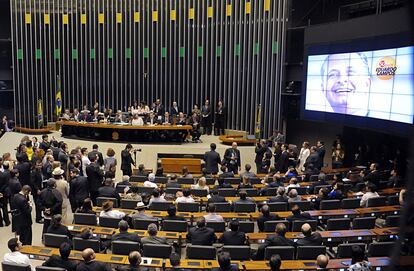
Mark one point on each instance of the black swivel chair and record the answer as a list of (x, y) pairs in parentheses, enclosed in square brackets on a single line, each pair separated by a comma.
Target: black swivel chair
[(377, 201), (363, 223), (345, 250), (333, 204), (109, 222), (297, 224), (351, 203), (128, 203), (223, 207), (47, 268), (244, 207), (81, 244), (336, 224), (142, 224), (238, 253), (15, 267), (380, 249), (124, 247), (174, 225), (246, 226), (217, 226), (201, 252), (310, 252), (101, 200), (160, 206), (54, 240), (277, 206), (85, 219), (157, 250), (285, 252), (192, 207), (270, 226)]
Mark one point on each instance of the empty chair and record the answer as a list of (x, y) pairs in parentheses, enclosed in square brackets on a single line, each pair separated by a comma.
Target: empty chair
[(192, 207), (285, 252), (363, 223), (351, 203), (271, 191), (297, 225), (160, 206), (199, 192), (251, 192), (47, 268), (304, 205), (244, 207), (157, 250), (161, 180), (392, 221), (142, 224), (81, 244), (54, 240), (380, 249), (101, 200), (124, 247), (145, 190), (310, 252), (182, 180), (232, 180), (270, 226), (277, 206), (172, 190), (223, 207), (174, 225), (128, 203), (238, 252), (345, 250), (377, 201), (227, 192), (246, 226), (201, 252), (109, 222), (393, 200), (85, 219), (335, 224), (138, 178), (15, 267), (217, 226), (330, 204)]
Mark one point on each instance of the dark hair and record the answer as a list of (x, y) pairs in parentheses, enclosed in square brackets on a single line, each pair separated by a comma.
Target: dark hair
[(110, 152), (213, 146), (123, 226), (172, 210), (275, 262), (224, 260), (156, 193), (372, 187), (243, 195), (159, 171), (74, 170), (174, 259), (141, 167), (64, 250), (134, 189), (56, 221), (128, 146), (14, 172), (95, 146), (358, 255), (248, 167), (295, 209), (86, 205), (211, 207), (223, 168), (234, 225), (186, 192), (13, 244), (201, 222)]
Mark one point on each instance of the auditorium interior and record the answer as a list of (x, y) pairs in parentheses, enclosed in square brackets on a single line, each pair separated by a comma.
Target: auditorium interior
[(206, 135)]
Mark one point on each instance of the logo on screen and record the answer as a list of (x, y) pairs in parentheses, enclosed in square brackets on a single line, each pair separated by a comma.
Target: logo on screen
[(386, 68)]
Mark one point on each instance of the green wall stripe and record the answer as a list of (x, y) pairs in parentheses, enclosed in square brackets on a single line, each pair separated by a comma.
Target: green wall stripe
[(19, 54)]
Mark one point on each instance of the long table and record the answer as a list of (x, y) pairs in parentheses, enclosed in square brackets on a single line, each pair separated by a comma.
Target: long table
[(125, 132)]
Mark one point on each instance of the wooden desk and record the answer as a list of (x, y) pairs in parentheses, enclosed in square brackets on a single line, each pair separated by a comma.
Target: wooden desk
[(239, 139), (345, 263), (76, 228), (382, 210), (286, 265), (325, 214), (175, 165)]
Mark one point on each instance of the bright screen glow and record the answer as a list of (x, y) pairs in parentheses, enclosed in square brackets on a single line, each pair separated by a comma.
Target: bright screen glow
[(376, 84)]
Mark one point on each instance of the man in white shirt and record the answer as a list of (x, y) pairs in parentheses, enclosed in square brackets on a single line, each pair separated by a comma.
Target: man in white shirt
[(150, 182), (85, 160), (15, 256), (212, 216), (371, 193)]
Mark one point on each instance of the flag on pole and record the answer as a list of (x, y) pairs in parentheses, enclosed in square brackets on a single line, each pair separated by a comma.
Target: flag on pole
[(39, 113), (58, 98), (258, 113)]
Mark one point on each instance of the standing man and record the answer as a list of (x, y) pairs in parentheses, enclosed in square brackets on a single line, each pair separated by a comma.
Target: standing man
[(206, 118), (212, 160), (174, 110), (320, 149), (50, 202), (260, 151), (95, 178), (158, 108), (45, 144), (282, 163), (23, 215), (4, 184), (79, 189), (127, 161), (220, 120), (95, 152), (36, 186), (232, 158)]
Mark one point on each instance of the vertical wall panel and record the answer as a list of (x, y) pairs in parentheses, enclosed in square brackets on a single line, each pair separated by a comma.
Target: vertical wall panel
[(117, 51)]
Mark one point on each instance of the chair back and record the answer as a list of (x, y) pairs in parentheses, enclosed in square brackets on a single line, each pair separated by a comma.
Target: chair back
[(85, 219), (238, 253), (161, 180), (304, 205), (174, 225), (81, 244), (199, 192), (251, 192), (47, 268), (135, 178), (301, 190), (380, 249), (101, 200), (277, 206), (393, 200), (120, 188), (285, 252), (109, 222), (217, 226), (227, 192), (377, 201), (160, 206), (55, 240), (128, 203), (182, 180), (351, 203), (244, 207), (310, 252), (363, 223), (223, 207), (232, 180), (145, 190), (318, 187), (345, 250), (124, 247), (15, 267), (333, 204), (297, 224), (270, 226), (172, 190), (201, 252), (142, 224), (192, 207), (246, 226), (272, 191), (157, 250), (336, 224), (392, 221)]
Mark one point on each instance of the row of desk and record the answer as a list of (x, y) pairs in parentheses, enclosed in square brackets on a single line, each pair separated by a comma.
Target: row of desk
[(42, 253), (318, 214)]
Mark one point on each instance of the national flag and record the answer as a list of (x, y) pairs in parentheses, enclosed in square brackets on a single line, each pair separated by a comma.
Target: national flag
[(258, 113), (58, 99), (39, 113)]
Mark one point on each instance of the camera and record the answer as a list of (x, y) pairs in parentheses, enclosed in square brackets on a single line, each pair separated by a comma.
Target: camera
[(136, 150)]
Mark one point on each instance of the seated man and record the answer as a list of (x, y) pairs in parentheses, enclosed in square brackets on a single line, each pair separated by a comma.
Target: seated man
[(322, 262), (298, 215), (212, 216), (293, 196), (134, 259), (243, 198), (89, 263), (234, 237), (280, 195), (278, 239), (172, 214), (62, 260), (275, 262), (310, 239), (56, 227), (141, 212), (15, 256), (172, 182), (275, 181), (224, 262), (124, 235), (215, 197), (247, 172), (266, 216), (226, 173), (175, 261), (370, 193), (152, 237), (108, 190), (358, 260), (201, 235)]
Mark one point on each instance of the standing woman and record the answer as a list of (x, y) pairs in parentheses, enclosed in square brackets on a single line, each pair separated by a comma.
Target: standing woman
[(126, 160), (338, 155), (303, 155), (63, 187), (110, 159), (220, 120)]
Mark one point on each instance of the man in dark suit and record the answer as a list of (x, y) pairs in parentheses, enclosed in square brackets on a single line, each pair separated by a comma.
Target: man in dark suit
[(225, 264), (175, 109), (234, 237), (4, 200), (282, 162), (215, 197), (63, 156), (62, 261), (313, 158), (280, 195), (212, 159), (127, 161), (24, 167), (166, 119), (50, 202), (220, 119), (278, 239), (124, 235), (201, 235), (158, 108), (266, 216), (260, 151), (320, 149), (298, 215), (89, 263), (95, 177), (172, 214), (36, 180), (96, 153), (23, 215), (79, 189), (45, 144), (232, 158), (134, 259), (85, 116), (310, 239), (206, 117), (225, 174), (374, 175), (108, 190)]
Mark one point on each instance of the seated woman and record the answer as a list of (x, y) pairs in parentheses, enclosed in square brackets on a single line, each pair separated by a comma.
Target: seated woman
[(132, 194), (56, 227), (245, 183), (201, 184), (184, 196), (108, 211), (86, 207), (137, 120)]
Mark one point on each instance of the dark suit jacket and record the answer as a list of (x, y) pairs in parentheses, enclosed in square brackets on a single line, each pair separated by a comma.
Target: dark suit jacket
[(212, 160), (50, 198), (57, 261), (313, 158), (201, 236), (228, 155), (108, 192), (282, 163), (321, 153), (95, 176), (93, 153), (24, 173), (262, 219), (44, 145), (126, 160), (14, 187), (273, 240), (278, 198), (301, 216), (260, 151), (93, 266), (176, 217), (126, 236), (314, 240), (233, 238), (79, 188), (174, 111), (24, 211), (63, 158), (87, 118), (373, 177), (4, 182), (216, 199), (62, 230)]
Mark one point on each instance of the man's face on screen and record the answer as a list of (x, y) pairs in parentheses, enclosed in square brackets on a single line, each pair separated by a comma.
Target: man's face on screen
[(347, 83)]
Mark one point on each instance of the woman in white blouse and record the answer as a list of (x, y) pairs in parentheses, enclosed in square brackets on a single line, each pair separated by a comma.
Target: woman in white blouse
[(108, 211), (201, 184), (303, 155)]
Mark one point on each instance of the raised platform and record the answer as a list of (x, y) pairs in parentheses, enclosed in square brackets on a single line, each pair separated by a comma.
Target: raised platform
[(25, 130), (239, 139)]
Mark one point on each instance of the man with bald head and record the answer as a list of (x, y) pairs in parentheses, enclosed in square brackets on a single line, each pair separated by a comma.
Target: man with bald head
[(89, 263), (278, 239), (322, 262), (134, 259), (232, 158), (310, 239)]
